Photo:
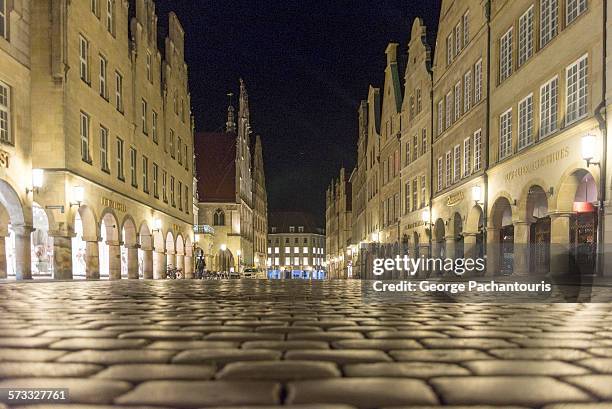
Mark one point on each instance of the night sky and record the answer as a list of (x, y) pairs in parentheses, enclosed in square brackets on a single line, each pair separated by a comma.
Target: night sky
[(307, 64)]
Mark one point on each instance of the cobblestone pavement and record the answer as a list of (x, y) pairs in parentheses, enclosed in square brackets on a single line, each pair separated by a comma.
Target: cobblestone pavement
[(194, 344)]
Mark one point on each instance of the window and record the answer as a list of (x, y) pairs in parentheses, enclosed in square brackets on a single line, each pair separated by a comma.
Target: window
[(145, 174), (419, 101), (477, 150), (296, 250), (505, 55), (296, 261), (415, 147), (84, 131), (457, 101), (164, 186), (5, 112), (219, 218), (120, 174), (154, 127), (573, 9), (478, 81), (549, 16), (133, 167), (180, 195), (186, 199), (172, 148), (440, 117), (467, 155), (458, 39), (466, 28), (149, 69), (505, 134), (548, 107), (3, 30), (155, 180), (411, 107), (525, 36), (172, 201), (408, 155), (143, 117), (439, 187), (84, 58), (457, 163), (525, 125), (415, 194), (301, 229), (449, 168), (104, 149), (94, 6), (305, 250), (577, 90), (118, 92), (423, 189), (449, 109), (423, 141), (103, 86), (180, 151), (406, 197), (287, 249), (186, 157), (467, 91), (110, 16), (449, 50)]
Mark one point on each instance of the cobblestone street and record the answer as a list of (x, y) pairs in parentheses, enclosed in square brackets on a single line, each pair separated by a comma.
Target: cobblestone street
[(195, 344)]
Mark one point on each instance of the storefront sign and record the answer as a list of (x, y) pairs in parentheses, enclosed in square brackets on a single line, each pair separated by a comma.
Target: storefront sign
[(114, 205), (415, 225), (454, 199), (538, 163), (4, 159), (176, 228)]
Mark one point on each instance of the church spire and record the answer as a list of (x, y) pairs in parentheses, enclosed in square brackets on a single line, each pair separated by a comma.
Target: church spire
[(230, 125)]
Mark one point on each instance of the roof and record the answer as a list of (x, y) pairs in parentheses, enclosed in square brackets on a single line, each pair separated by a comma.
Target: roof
[(216, 166), (282, 220)]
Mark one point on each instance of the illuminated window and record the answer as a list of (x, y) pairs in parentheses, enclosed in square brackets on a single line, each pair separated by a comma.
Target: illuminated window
[(103, 82), (467, 155), (525, 50), (525, 125), (549, 21), (120, 174), (577, 90), (145, 174), (104, 149), (467, 91), (505, 134), (84, 131), (478, 82), (549, 94), (574, 8), (5, 113), (133, 167), (110, 16), (84, 59), (155, 180)]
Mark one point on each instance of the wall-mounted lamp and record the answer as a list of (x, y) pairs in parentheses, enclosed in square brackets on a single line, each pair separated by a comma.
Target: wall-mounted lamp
[(157, 224), (426, 216), (223, 247), (589, 149), (375, 236), (477, 194), (78, 196), (38, 178), (238, 252)]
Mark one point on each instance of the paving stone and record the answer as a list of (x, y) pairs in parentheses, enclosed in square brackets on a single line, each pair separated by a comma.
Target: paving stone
[(406, 334), (601, 365), (118, 356), (162, 334), (484, 334), (21, 332), (279, 370), (545, 354), (506, 390), (328, 336), (382, 344), (285, 345), (146, 372), (46, 369), (98, 343), (346, 356), (440, 355), (363, 393), (223, 356), (524, 367), (318, 406), (556, 343), (605, 352), (469, 343), (599, 405), (23, 342), (179, 345), (80, 390), (404, 369), (29, 355), (598, 385), (281, 329), (81, 333), (186, 394), (242, 336)]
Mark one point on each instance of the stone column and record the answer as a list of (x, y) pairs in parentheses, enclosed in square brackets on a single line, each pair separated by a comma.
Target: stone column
[(188, 267), (114, 262), (132, 261), (493, 251), (3, 263), (147, 263), (159, 272), (559, 243), (62, 256), (521, 248), (469, 245), (180, 262), (171, 258), (23, 252), (92, 259)]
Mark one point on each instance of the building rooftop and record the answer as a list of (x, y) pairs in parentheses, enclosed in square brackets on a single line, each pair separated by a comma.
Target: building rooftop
[(216, 166), (281, 222)]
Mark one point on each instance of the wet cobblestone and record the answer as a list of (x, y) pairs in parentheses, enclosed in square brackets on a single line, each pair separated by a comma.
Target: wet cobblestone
[(266, 344)]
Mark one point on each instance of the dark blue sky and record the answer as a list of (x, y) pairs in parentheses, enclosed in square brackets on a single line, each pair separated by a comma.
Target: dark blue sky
[(307, 65)]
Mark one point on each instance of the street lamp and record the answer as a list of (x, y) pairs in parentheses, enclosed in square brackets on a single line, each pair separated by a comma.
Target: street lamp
[(238, 253), (223, 247), (477, 194), (78, 196), (589, 149), (38, 176)]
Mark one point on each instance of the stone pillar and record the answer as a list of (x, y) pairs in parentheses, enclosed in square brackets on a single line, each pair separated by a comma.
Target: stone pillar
[(62, 256), (469, 245), (171, 258), (23, 252), (559, 243), (493, 251), (188, 267), (3, 263), (92, 259), (147, 263), (159, 272), (114, 262), (522, 248), (180, 263), (132, 261), (451, 242), (424, 252)]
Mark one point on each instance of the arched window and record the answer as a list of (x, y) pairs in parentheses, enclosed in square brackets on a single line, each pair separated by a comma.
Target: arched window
[(219, 218)]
